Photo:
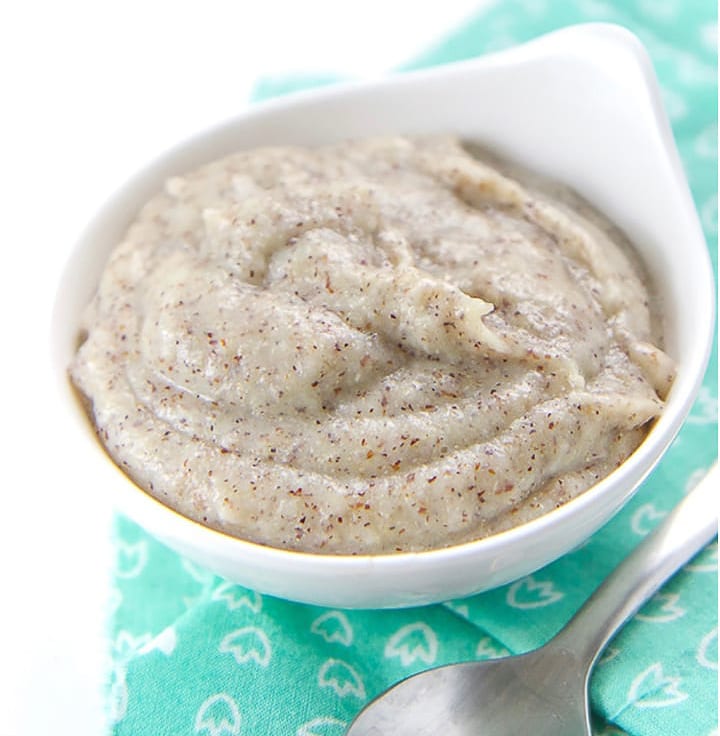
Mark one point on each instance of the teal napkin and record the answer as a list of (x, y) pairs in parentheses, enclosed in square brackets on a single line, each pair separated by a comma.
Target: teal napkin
[(195, 654)]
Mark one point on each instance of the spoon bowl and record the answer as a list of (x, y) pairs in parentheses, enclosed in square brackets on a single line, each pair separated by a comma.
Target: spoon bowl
[(492, 698)]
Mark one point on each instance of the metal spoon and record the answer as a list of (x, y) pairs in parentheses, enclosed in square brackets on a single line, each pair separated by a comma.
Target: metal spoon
[(546, 689)]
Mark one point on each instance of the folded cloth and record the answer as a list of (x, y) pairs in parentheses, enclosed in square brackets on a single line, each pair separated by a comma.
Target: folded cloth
[(195, 654)]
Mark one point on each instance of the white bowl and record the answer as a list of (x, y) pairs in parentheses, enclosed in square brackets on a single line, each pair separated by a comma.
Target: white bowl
[(581, 106)]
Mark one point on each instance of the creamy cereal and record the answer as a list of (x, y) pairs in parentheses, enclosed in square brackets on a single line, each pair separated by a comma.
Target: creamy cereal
[(379, 345)]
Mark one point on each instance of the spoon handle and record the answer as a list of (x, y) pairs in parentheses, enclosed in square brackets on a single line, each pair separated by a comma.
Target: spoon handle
[(683, 533)]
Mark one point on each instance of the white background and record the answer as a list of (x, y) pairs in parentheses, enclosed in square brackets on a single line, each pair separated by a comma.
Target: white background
[(90, 92)]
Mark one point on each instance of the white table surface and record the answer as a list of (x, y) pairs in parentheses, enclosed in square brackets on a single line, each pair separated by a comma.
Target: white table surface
[(91, 90)]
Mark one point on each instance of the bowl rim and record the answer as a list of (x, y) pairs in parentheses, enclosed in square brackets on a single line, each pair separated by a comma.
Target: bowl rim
[(145, 508)]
